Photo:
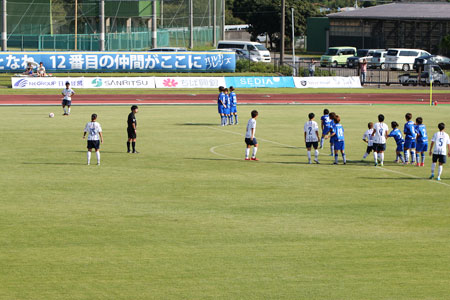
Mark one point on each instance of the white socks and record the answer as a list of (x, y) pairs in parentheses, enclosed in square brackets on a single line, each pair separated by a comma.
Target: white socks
[(382, 157), (375, 157), (97, 153), (255, 149), (365, 155), (68, 111), (247, 152), (316, 154), (433, 166), (440, 171), (65, 111), (309, 156)]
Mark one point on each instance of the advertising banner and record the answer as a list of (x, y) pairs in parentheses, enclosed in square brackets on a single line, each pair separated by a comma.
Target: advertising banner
[(121, 61), (189, 82), (83, 82), (260, 82), (327, 82)]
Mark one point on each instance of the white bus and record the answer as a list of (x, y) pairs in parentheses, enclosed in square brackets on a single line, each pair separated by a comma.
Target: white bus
[(254, 48)]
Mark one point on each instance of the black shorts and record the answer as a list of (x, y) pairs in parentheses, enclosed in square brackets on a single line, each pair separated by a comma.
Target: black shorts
[(131, 133), (66, 102), (441, 158), (379, 147), (369, 149), (251, 142), (93, 145), (315, 145)]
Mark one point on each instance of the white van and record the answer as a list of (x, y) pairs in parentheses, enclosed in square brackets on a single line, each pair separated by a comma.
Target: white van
[(402, 59), (254, 48)]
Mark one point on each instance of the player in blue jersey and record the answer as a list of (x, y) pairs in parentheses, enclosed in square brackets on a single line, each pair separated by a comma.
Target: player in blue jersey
[(325, 125), (339, 143), (410, 138), (233, 100), (226, 110), (221, 105), (398, 137), (332, 115), (421, 142)]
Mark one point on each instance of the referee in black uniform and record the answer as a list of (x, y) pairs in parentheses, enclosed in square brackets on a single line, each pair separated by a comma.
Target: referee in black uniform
[(131, 129)]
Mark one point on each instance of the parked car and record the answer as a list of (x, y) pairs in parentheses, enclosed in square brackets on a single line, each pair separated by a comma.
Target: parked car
[(403, 59), (241, 54), (442, 61), (353, 62), (254, 48), (337, 56), (438, 75), (378, 59)]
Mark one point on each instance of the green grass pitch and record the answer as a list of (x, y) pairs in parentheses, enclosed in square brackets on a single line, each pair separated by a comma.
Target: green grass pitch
[(188, 218)]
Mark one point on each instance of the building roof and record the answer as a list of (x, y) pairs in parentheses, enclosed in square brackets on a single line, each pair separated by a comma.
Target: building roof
[(405, 10)]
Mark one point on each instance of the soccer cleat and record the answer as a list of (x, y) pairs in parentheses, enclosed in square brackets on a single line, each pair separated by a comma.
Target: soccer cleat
[(417, 164), (247, 158), (345, 163), (335, 163), (316, 161), (309, 162), (98, 164), (422, 164), (381, 164), (376, 164), (129, 151), (135, 152), (254, 158), (88, 164), (432, 176), (438, 179)]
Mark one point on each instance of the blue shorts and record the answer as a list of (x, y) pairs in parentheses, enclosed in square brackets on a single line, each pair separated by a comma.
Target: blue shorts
[(326, 130), (66, 102), (399, 147), (410, 144), (226, 111), (220, 109), (339, 145), (421, 147), (233, 109)]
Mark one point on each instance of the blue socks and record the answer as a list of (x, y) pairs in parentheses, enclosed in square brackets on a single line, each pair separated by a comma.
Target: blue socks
[(235, 119), (344, 158), (336, 158)]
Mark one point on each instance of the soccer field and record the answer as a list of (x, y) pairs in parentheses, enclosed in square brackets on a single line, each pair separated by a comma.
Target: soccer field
[(188, 218)]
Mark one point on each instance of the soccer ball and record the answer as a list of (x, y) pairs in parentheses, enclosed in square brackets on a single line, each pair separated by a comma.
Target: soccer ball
[(51, 115)]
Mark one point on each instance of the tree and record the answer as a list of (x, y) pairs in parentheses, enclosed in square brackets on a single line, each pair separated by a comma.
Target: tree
[(264, 16), (445, 44)]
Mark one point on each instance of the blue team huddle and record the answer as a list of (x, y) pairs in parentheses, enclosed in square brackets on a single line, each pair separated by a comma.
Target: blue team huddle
[(411, 147), (227, 106)]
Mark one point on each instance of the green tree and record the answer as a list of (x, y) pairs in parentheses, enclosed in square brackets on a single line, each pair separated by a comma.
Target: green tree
[(445, 45)]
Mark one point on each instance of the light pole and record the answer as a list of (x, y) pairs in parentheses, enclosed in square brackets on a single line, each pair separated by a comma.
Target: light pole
[(293, 42), (283, 25)]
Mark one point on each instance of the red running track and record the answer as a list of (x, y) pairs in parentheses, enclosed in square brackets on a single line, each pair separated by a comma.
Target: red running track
[(171, 99)]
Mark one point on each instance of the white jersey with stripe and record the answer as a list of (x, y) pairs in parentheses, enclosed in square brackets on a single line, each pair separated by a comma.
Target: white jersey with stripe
[(441, 140), (311, 128), (93, 129)]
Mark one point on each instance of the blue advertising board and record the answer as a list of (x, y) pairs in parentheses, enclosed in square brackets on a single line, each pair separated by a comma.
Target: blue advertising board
[(121, 61), (260, 82)]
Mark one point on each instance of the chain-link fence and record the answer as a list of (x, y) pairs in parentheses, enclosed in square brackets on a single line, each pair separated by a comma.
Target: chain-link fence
[(57, 24)]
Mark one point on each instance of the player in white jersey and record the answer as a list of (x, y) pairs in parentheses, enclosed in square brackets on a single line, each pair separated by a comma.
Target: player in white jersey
[(380, 133), (368, 138), (311, 130), (95, 137), (441, 144), (67, 100), (250, 137)]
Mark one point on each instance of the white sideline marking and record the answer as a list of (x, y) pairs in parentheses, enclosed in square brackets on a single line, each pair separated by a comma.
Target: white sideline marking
[(212, 150)]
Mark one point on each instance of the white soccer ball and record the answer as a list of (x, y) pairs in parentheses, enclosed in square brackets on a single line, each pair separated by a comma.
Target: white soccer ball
[(51, 115)]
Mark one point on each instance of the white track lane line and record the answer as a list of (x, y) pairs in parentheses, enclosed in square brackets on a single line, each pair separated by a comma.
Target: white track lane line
[(212, 150)]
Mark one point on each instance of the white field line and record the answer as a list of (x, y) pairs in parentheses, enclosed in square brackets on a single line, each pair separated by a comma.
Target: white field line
[(212, 150)]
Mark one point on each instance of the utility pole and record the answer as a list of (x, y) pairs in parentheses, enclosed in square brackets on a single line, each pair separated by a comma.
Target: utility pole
[(102, 25), (223, 19), (76, 23), (161, 13), (283, 25), (4, 27), (215, 22), (154, 25), (293, 41), (191, 24)]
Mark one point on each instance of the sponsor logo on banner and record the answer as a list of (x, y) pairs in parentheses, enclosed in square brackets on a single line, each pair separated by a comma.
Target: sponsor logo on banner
[(83, 82), (119, 82), (189, 82), (327, 82), (260, 82)]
